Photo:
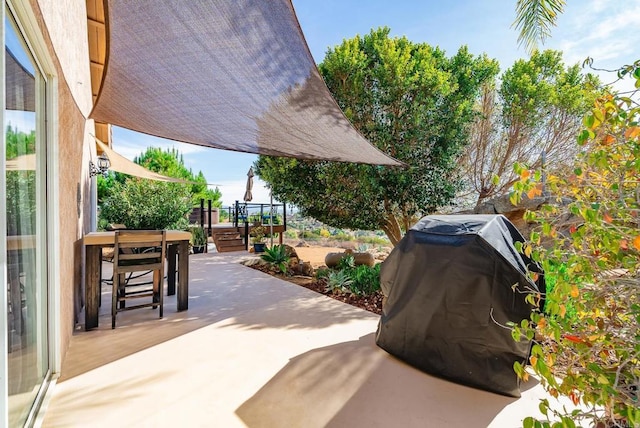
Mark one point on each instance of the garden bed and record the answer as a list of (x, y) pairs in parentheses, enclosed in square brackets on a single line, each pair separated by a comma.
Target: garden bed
[(371, 303)]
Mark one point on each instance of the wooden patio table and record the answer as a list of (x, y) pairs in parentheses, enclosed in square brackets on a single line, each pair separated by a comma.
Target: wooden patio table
[(177, 245)]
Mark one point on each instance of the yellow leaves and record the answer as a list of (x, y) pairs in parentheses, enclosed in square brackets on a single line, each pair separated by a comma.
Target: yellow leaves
[(535, 191), (636, 242), (525, 174), (527, 250), (533, 360), (575, 398), (549, 360), (542, 323), (608, 140), (624, 244), (562, 311), (574, 291), (607, 218), (632, 132)]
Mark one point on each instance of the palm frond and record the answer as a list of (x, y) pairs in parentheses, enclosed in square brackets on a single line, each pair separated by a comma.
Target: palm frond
[(534, 20)]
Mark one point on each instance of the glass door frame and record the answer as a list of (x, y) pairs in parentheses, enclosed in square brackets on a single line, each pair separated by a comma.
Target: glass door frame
[(27, 26)]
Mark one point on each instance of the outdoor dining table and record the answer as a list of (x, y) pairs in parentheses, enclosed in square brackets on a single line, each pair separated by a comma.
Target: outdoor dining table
[(177, 246)]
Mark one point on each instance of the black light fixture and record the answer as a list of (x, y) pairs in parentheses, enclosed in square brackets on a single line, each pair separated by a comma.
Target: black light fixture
[(102, 166)]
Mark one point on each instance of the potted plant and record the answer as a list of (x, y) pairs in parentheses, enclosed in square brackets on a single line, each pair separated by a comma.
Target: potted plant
[(198, 239), (257, 238)]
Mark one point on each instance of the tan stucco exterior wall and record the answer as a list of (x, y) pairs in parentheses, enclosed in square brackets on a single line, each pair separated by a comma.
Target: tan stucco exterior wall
[(63, 25)]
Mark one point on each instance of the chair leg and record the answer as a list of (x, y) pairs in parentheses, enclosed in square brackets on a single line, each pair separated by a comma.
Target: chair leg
[(122, 283), (157, 290), (114, 300), (161, 291)]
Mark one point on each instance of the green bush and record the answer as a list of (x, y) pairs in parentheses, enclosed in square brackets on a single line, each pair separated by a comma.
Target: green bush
[(375, 240), (338, 282), (277, 256), (147, 204), (323, 273), (366, 280), (291, 233), (198, 236), (347, 262)]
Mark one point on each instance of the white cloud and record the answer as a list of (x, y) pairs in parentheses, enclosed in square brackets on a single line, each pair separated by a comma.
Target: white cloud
[(604, 30)]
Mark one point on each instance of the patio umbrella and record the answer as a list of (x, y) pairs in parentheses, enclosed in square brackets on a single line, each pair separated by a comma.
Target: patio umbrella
[(247, 195)]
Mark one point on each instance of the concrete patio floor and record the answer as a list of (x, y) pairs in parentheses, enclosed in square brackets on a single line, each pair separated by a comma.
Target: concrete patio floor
[(256, 351)]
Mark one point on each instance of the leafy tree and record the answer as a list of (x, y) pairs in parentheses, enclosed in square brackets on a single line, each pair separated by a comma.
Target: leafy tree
[(537, 109), (413, 103), (147, 204), (142, 203), (171, 163), (19, 143), (20, 185), (588, 345)]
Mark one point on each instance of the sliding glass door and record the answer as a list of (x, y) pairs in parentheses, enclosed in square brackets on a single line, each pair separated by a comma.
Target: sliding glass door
[(26, 232)]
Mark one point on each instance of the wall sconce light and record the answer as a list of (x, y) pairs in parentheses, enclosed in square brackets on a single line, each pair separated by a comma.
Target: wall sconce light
[(102, 166)]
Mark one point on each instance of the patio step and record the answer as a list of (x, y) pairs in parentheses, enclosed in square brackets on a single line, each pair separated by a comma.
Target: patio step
[(227, 241)]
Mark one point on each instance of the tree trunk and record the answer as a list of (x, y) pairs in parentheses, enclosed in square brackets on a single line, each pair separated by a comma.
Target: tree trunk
[(392, 229)]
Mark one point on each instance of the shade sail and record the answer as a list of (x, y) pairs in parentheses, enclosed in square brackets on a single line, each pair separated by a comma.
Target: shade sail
[(20, 85), (121, 164), (227, 74)]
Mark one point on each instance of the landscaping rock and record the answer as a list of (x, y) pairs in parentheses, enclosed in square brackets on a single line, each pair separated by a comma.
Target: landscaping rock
[(301, 268)]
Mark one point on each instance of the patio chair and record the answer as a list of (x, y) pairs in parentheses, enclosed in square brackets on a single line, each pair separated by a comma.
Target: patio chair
[(109, 259), (136, 251)]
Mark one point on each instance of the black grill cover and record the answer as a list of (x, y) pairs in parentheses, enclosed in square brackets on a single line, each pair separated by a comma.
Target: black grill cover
[(446, 282)]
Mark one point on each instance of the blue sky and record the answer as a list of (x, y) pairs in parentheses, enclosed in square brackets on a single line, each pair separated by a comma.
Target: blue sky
[(605, 30)]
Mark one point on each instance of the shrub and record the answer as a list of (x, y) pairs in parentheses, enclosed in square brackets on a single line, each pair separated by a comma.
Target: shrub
[(366, 280), (147, 204), (347, 262), (323, 273), (277, 256), (291, 234), (338, 282), (198, 236), (591, 355)]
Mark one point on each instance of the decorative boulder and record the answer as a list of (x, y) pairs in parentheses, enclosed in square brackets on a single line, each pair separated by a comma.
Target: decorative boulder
[(332, 259)]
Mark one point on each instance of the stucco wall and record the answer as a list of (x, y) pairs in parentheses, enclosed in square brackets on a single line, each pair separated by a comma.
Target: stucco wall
[(66, 21), (63, 25)]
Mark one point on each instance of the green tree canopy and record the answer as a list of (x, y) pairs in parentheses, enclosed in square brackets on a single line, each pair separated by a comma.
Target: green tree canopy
[(148, 204), (412, 102), (170, 162), (20, 185), (538, 107), (139, 203)]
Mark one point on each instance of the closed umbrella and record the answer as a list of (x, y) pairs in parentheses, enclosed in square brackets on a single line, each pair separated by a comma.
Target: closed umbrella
[(247, 195)]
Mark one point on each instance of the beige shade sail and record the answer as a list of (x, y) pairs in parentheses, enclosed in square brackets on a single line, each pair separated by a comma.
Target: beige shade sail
[(227, 74), (121, 164), (20, 85)]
